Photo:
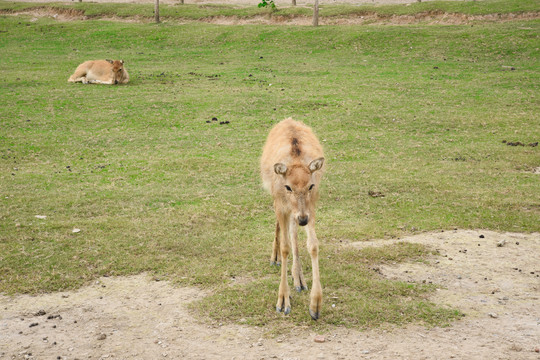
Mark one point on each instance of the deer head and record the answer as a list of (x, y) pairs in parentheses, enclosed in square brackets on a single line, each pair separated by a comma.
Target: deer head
[(298, 188)]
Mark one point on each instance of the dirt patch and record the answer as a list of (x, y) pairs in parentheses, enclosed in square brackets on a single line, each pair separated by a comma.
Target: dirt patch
[(60, 14), (279, 3), (430, 18), (367, 18), (137, 318)]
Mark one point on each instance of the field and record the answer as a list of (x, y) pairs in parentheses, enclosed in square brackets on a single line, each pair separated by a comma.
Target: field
[(161, 175)]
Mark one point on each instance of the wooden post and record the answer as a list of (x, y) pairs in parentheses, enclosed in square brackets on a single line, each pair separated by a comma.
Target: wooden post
[(316, 13), (156, 11), (293, 2)]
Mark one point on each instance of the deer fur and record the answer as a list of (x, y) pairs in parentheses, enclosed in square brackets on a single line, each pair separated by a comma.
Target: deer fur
[(108, 72), (291, 169)]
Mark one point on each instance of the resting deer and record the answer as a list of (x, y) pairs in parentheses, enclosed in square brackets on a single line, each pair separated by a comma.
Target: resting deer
[(291, 170)]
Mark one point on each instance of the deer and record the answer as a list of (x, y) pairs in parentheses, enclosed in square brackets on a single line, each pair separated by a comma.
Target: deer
[(292, 164)]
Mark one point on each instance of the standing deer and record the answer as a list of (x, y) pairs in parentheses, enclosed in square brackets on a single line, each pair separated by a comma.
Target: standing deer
[(291, 170)]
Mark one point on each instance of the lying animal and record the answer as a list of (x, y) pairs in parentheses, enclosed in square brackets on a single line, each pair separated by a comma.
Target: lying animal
[(107, 72)]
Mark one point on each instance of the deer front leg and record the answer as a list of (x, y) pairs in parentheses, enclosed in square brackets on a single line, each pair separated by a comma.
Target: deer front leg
[(298, 277), (315, 305), (275, 259), (284, 301), (104, 82)]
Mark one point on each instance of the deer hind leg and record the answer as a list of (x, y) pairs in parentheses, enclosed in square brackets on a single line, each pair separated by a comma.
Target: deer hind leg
[(275, 259), (315, 305), (298, 277), (79, 75), (284, 301)]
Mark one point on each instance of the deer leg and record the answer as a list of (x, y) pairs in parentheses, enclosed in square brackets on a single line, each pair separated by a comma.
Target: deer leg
[(284, 301), (79, 75), (108, 82), (316, 289), (78, 79), (275, 259), (298, 277)]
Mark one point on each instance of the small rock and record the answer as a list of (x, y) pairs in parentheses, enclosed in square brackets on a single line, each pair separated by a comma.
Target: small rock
[(493, 315), (33, 324), (75, 230), (102, 336), (501, 243), (319, 339), (41, 216), (481, 236), (40, 313)]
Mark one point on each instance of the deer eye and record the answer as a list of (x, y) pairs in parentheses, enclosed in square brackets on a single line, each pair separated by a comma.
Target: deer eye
[(311, 187), (288, 188)]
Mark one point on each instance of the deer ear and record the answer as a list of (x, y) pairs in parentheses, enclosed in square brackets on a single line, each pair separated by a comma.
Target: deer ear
[(316, 164), (280, 168), (122, 62), (109, 61)]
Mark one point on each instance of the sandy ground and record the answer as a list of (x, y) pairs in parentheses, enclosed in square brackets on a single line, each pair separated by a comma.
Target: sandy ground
[(497, 287)]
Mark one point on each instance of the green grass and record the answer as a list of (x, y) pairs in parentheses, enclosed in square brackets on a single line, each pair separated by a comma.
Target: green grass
[(415, 112), (206, 11)]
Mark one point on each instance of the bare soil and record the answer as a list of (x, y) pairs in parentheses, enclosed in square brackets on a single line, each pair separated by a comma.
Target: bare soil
[(430, 17), (497, 287), (280, 3)]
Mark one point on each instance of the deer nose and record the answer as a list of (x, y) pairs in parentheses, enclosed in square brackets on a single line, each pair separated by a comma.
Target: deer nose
[(303, 220), (115, 82)]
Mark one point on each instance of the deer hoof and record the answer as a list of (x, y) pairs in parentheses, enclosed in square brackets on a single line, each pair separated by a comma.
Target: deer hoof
[(314, 315), (300, 288), (276, 263), (287, 310)]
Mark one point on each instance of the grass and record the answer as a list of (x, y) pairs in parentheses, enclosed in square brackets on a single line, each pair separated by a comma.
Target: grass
[(417, 113), (207, 11)]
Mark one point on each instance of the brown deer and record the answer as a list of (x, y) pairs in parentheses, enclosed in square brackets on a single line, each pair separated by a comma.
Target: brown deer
[(291, 170)]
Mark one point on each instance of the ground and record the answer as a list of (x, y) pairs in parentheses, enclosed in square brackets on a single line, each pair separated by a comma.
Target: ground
[(493, 278), (249, 2), (496, 287)]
